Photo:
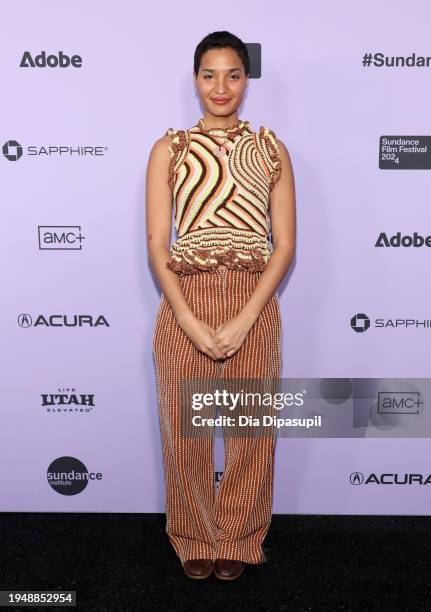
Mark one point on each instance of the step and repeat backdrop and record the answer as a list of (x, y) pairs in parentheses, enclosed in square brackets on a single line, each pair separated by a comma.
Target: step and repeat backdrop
[(87, 88)]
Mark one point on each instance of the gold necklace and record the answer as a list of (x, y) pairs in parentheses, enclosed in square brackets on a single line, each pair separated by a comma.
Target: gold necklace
[(232, 131)]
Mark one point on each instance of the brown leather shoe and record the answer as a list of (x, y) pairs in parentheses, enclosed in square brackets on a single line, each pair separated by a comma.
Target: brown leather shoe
[(198, 568), (228, 569)]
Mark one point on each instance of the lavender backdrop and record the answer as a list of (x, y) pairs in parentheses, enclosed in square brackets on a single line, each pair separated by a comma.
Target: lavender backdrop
[(135, 81)]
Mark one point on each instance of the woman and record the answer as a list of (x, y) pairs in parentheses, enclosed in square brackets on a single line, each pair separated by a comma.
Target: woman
[(219, 315)]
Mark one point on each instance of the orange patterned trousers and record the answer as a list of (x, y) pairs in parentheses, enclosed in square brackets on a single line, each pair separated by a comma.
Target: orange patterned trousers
[(200, 523)]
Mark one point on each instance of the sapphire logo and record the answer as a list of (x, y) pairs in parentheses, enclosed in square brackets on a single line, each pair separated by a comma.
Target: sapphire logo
[(12, 150), (360, 322)]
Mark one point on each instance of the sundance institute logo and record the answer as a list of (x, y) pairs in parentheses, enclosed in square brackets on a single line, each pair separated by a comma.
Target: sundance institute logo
[(69, 476)]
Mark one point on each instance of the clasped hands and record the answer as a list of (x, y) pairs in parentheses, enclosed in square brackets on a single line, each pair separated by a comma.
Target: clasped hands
[(222, 342)]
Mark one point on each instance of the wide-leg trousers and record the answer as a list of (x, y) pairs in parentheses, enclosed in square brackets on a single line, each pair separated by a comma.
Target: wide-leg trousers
[(200, 523)]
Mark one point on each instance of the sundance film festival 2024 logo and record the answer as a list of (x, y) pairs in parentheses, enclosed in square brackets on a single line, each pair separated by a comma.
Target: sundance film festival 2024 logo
[(405, 153)]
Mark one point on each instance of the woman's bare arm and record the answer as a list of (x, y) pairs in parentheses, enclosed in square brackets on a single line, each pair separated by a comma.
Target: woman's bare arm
[(159, 228)]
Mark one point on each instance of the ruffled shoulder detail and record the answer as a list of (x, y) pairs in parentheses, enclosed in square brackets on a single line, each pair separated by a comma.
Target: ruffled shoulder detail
[(269, 139), (176, 149)]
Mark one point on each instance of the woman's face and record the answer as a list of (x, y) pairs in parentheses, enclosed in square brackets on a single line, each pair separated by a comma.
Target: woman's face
[(221, 77)]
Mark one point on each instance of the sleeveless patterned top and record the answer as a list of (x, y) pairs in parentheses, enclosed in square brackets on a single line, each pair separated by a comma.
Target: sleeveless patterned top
[(222, 202)]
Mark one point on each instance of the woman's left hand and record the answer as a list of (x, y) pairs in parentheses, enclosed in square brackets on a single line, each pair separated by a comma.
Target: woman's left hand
[(232, 333)]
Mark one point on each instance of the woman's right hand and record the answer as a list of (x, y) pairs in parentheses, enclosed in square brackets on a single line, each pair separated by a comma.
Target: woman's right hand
[(203, 336)]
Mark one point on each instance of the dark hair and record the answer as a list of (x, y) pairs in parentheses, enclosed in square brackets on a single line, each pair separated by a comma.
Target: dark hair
[(221, 40)]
